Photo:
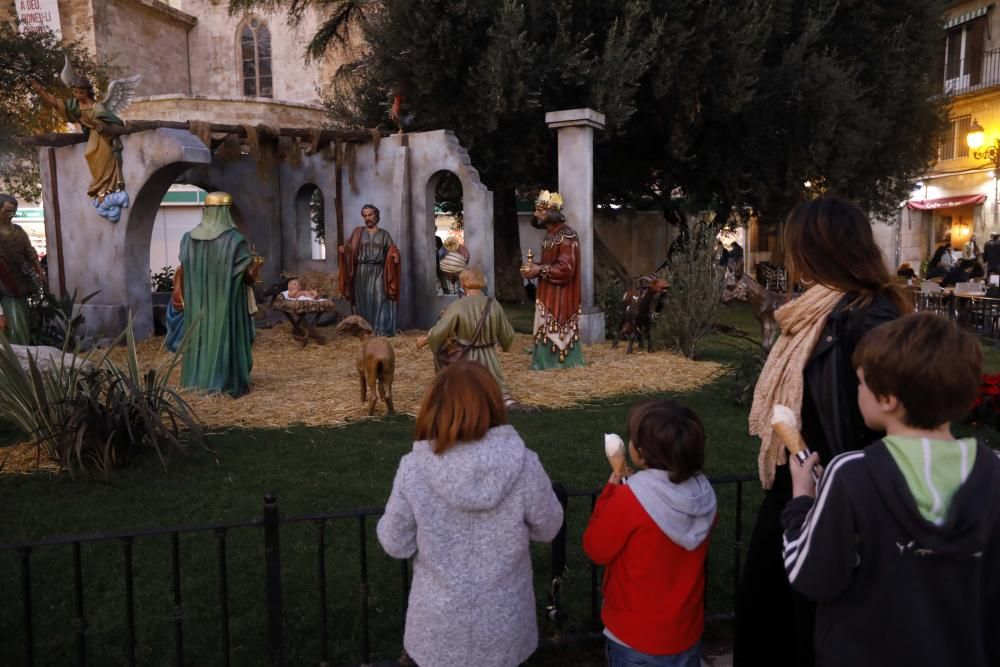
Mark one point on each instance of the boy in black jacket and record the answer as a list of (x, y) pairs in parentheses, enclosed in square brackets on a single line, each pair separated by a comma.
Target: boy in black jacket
[(901, 549)]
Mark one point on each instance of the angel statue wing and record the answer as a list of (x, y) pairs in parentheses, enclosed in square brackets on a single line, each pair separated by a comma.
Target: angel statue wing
[(120, 94), (70, 77)]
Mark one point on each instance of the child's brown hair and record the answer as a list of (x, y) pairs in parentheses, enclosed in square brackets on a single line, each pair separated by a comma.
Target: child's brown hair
[(927, 362), (461, 405), (669, 437)]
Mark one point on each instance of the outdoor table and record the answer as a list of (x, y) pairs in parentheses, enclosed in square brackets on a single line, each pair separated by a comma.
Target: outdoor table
[(303, 315)]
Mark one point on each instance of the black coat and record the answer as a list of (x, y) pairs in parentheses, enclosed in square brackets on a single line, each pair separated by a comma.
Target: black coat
[(831, 419), (991, 253)]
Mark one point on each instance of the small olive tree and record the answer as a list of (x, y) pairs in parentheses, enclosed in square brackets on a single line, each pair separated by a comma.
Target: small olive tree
[(695, 289)]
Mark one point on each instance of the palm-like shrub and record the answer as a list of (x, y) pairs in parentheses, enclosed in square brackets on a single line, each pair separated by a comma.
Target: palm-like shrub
[(97, 416)]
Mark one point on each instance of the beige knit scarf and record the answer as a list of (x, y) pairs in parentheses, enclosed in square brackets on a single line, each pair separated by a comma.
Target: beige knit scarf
[(801, 322)]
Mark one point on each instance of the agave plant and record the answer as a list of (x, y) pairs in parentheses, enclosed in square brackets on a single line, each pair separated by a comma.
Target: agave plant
[(35, 401), (53, 321), (99, 416)]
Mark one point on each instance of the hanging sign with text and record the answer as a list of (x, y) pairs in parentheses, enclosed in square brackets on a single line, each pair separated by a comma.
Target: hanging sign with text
[(39, 15)]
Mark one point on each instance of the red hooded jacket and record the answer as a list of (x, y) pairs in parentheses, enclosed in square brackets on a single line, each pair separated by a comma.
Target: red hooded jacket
[(654, 588)]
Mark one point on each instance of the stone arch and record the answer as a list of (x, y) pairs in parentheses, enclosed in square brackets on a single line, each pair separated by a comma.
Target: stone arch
[(434, 197), (253, 58), (140, 230), (92, 254)]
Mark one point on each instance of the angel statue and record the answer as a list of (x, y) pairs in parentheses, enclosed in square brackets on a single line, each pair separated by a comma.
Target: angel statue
[(102, 127)]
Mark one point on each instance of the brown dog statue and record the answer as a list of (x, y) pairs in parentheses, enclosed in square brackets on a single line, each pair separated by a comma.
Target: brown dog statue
[(376, 361)]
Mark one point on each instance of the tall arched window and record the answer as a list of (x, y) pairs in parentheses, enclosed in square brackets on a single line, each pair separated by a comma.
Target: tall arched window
[(255, 58)]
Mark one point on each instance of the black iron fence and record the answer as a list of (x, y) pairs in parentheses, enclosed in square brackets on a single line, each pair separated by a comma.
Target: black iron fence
[(272, 592)]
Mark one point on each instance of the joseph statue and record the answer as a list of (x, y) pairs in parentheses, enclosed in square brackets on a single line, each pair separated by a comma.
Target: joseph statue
[(370, 273), (557, 303), (218, 271)]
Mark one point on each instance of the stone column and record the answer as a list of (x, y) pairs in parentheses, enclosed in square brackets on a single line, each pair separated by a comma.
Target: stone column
[(575, 133)]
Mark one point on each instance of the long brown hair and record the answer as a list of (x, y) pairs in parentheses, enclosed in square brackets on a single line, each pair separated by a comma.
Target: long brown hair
[(462, 403), (829, 240)]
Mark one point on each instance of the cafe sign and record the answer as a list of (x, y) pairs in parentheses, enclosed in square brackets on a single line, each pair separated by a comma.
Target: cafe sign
[(946, 202), (34, 15)]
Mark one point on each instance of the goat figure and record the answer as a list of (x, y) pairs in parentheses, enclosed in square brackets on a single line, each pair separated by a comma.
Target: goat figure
[(376, 362), (639, 305), (739, 286)]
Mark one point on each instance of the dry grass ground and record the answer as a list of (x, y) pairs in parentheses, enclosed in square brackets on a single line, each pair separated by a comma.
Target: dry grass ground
[(318, 385)]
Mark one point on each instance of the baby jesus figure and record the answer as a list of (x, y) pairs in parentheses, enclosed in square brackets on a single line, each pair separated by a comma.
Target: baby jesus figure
[(295, 290)]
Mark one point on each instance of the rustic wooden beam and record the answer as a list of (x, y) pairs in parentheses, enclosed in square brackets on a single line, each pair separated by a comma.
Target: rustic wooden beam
[(57, 139), (54, 139)]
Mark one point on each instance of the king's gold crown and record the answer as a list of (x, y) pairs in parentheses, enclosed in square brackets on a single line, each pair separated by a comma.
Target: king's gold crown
[(552, 201), (219, 199)]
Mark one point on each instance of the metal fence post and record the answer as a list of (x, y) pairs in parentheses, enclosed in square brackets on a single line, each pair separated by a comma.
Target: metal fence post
[(272, 576), (554, 609)]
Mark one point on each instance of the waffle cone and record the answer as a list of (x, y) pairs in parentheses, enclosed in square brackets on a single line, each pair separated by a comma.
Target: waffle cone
[(618, 463), (791, 437)]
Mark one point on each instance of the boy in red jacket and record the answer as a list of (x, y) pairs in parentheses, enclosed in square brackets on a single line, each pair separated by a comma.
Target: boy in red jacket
[(650, 531)]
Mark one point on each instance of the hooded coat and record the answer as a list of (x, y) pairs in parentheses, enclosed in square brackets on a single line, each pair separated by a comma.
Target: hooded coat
[(652, 537), (466, 517), (892, 587)]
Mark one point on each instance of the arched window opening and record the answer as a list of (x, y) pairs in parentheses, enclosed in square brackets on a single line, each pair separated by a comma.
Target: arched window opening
[(255, 58), (449, 232)]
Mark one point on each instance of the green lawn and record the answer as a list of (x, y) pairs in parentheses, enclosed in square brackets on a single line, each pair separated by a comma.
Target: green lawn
[(311, 470)]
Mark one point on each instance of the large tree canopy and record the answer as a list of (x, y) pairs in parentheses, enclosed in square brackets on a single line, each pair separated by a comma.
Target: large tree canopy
[(737, 103), (24, 57)]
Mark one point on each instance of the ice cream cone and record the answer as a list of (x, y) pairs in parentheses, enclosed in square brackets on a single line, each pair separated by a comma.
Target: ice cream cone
[(614, 449), (619, 464), (791, 437)]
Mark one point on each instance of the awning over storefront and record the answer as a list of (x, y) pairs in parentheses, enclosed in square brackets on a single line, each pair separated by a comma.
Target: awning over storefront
[(946, 202)]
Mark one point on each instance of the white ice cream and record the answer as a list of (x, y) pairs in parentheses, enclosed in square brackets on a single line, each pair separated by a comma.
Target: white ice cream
[(613, 444), (782, 414)]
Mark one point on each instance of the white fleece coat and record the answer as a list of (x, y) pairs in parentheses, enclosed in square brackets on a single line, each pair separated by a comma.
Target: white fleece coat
[(466, 517)]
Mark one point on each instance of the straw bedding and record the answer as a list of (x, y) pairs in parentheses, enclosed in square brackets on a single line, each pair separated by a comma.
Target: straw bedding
[(318, 385)]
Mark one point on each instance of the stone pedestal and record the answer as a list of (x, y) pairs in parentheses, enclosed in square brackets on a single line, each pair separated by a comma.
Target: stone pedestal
[(575, 133)]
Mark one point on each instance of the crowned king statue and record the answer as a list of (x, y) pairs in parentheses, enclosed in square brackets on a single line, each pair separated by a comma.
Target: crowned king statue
[(557, 303)]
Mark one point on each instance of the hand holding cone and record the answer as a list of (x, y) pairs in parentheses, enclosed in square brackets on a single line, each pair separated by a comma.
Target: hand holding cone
[(785, 425), (614, 449)]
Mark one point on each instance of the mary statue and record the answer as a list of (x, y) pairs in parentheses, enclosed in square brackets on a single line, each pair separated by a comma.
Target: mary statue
[(218, 304)]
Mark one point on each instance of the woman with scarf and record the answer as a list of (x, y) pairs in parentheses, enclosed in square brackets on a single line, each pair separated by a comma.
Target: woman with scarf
[(831, 253)]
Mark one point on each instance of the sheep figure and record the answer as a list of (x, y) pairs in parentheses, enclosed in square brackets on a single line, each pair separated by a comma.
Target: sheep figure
[(376, 362)]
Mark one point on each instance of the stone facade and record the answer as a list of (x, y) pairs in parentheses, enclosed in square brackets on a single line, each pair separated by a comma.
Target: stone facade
[(145, 37), (972, 41), (191, 49)]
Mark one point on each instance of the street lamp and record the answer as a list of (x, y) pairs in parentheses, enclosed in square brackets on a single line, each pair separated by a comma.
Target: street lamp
[(975, 138)]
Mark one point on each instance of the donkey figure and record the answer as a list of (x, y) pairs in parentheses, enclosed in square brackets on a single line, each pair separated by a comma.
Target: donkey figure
[(738, 286), (640, 301)]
